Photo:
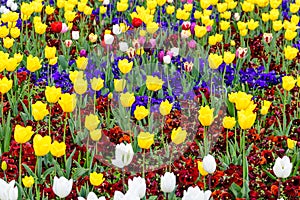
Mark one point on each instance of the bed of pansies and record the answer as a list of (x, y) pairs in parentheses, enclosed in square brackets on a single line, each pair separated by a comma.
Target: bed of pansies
[(149, 99)]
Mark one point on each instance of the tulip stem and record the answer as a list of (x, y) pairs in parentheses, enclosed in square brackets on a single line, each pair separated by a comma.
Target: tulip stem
[(123, 180), (227, 142), (20, 165), (87, 152), (144, 155), (50, 108), (279, 185), (65, 126), (2, 108), (95, 102)]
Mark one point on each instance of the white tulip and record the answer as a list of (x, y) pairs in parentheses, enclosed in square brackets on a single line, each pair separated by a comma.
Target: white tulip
[(237, 16), (175, 51), (75, 35), (92, 196), (194, 193), (105, 2), (167, 59), (168, 182), (124, 155), (8, 191), (209, 164), (170, 1), (14, 7), (128, 196), (283, 167), (108, 39), (9, 3), (62, 186), (123, 46), (138, 186), (116, 29)]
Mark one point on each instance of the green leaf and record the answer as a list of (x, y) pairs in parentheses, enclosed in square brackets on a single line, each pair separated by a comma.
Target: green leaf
[(270, 175), (63, 62), (69, 164), (29, 171), (79, 172), (236, 190)]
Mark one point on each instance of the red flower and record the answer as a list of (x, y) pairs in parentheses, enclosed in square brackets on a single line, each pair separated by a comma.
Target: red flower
[(137, 22), (56, 27)]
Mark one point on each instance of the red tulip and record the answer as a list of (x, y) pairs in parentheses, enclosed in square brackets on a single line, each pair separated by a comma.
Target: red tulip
[(56, 27), (137, 22)]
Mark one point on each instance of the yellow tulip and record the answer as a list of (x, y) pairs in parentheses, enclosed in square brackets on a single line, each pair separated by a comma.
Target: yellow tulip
[(41, 145), (70, 16), (125, 66), (140, 112), (15, 32), (290, 52), (165, 107), (204, 4), (40, 28), (274, 14), (82, 63), (294, 8), (96, 134), (178, 135), (242, 25), (91, 122), (290, 35), (127, 99), (49, 10), (212, 40), (18, 57), (242, 100), (247, 6), (291, 143), (68, 102), (206, 115), (3, 165), (28, 181), (252, 25), (170, 9), (214, 61), (152, 27), (52, 94), (97, 84), (246, 118), (33, 63), (121, 7), (75, 75), (154, 83), (228, 57), (265, 107), (5, 85), (222, 7), (88, 10), (22, 134), (80, 86), (201, 169), (50, 52), (145, 140), (96, 179), (277, 25), (298, 81), (224, 25), (288, 82), (8, 42), (200, 31), (119, 84), (39, 110), (4, 31), (58, 149), (265, 17), (229, 122)]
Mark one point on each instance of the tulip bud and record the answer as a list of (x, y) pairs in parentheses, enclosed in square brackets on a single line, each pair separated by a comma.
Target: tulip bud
[(4, 166)]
